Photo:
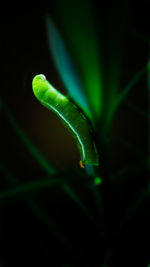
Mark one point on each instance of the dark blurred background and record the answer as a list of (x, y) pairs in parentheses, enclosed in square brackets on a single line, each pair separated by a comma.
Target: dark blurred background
[(25, 240)]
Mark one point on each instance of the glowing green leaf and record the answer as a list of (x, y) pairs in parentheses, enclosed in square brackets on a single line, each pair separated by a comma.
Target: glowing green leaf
[(70, 115), (81, 38), (41, 160), (65, 67)]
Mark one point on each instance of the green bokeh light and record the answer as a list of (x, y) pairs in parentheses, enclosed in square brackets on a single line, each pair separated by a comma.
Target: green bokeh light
[(97, 180)]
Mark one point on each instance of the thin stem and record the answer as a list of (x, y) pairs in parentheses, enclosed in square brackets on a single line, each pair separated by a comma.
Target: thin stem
[(31, 187), (131, 84), (124, 94), (137, 109), (91, 172)]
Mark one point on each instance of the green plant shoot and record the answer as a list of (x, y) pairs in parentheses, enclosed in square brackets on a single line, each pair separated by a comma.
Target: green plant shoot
[(71, 116)]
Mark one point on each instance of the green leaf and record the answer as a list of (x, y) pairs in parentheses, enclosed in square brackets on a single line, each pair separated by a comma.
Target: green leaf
[(65, 66), (41, 160), (75, 18)]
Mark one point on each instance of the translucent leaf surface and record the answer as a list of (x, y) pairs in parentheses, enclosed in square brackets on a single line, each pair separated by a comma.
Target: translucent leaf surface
[(65, 67), (80, 36)]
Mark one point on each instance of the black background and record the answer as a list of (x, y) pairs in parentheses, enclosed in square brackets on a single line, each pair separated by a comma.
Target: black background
[(24, 239)]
